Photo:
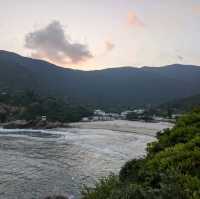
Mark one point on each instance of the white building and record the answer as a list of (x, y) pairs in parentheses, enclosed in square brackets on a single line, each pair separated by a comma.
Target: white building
[(100, 115), (85, 119), (139, 111), (99, 112), (175, 116), (44, 118), (125, 113)]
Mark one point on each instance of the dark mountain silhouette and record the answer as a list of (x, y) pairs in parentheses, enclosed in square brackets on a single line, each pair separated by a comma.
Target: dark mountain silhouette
[(109, 87)]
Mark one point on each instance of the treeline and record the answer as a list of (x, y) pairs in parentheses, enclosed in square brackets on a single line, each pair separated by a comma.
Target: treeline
[(171, 168), (146, 116), (181, 105), (28, 105)]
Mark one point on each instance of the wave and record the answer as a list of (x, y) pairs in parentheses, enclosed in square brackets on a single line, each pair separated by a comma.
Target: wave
[(29, 133)]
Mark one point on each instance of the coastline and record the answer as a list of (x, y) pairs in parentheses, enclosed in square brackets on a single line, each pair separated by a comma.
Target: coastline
[(33, 124), (97, 152), (124, 126), (137, 127)]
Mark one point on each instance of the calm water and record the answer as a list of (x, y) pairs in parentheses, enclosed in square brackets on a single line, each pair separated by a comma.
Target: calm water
[(34, 164)]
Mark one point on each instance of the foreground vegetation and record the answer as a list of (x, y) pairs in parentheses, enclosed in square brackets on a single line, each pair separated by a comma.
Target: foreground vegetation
[(171, 168)]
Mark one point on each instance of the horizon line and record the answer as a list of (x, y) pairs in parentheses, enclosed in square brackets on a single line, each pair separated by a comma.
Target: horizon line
[(101, 69)]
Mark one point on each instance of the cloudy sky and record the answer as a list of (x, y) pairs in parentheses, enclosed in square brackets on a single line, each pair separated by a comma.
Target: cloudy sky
[(94, 34)]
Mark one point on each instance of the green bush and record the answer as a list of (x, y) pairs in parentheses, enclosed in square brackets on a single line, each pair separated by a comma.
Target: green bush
[(132, 171), (103, 189)]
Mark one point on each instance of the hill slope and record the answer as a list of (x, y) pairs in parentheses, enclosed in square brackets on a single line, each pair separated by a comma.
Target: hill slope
[(182, 105), (109, 87)]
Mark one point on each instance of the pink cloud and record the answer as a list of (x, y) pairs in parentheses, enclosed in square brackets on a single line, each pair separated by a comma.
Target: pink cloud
[(196, 9), (134, 20), (109, 46), (52, 44)]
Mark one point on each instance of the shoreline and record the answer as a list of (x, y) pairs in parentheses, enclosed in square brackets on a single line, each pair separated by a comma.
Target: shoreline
[(124, 126), (137, 127), (33, 124)]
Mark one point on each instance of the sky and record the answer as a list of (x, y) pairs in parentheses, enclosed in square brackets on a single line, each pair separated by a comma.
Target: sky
[(96, 34)]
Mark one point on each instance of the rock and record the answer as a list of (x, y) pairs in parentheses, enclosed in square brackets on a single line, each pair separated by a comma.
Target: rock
[(56, 197), (15, 124), (33, 124)]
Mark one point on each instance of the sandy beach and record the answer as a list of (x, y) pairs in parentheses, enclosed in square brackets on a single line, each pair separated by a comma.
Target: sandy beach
[(143, 128)]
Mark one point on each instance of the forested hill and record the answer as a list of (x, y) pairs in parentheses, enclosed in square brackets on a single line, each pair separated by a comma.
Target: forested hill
[(182, 105), (109, 87), (29, 106)]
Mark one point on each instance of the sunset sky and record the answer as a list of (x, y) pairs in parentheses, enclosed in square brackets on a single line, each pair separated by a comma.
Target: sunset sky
[(95, 34)]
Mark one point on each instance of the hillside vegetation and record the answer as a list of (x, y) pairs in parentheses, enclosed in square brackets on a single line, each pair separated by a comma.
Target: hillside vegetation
[(27, 105), (181, 105), (114, 87), (171, 168)]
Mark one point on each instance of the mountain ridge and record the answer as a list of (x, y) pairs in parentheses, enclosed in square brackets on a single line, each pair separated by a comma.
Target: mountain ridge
[(121, 86), (104, 69)]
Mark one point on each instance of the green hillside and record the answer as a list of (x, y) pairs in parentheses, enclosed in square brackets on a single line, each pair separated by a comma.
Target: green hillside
[(28, 105), (182, 105)]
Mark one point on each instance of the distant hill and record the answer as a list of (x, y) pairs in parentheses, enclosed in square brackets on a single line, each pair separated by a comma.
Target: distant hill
[(126, 86), (182, 105)]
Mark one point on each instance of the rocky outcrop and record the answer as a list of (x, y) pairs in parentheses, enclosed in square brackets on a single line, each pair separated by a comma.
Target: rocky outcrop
[(7, 111), (56, 197), (33, 124)]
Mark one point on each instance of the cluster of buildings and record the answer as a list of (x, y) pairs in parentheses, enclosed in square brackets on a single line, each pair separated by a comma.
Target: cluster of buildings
[(100, 115)]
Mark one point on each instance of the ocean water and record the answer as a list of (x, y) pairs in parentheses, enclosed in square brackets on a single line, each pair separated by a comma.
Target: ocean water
[(35, 164)]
